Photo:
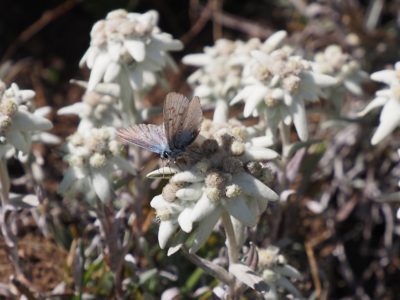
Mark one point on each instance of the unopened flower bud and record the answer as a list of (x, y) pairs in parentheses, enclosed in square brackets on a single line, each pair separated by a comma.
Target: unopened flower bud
[(233, 191), (237, 148), (98, 160), (232, 165)]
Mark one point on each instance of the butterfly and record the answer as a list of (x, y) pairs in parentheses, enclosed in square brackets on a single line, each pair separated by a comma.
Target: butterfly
[(182, 120)]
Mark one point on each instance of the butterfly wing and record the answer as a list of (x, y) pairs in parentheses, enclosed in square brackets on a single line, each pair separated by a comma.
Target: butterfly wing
[(148, 136), (182, 120)]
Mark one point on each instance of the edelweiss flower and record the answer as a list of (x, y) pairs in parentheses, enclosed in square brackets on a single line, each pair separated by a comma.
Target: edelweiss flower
[(389, 98), (276, 272), (17, 122), (276, 86), (99, 107), (220, 175), (219, 76), (93, 156), (129, 49), (266, 271), (344, 69)]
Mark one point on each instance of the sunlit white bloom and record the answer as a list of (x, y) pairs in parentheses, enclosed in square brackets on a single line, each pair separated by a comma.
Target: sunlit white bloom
[(389, 98), (276, 87), (218, 174), (129, 49), (99, 107), (18, 122), (93, 157), (218, 78), (347, 71), (276, 272)]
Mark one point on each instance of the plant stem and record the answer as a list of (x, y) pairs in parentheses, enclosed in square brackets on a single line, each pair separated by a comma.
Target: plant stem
[(4, 182), (209, 267), (221, 112), (284, 131), (231, 240)]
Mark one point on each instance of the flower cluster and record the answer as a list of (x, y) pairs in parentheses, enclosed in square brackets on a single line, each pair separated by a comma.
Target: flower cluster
[(344, 69), (389, 98), (18, 121), (94, 155), (99, 107), (219, 76), (276, 86), (220, 175), (128, 45)]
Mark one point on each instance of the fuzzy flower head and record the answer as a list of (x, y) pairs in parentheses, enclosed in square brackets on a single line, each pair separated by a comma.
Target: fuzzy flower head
[(389, 98), (276, 87), (219, 76), (128, 48), (93, 156), (347, 71), (99, 107), (18, 121), (276, 272), (214, 176)]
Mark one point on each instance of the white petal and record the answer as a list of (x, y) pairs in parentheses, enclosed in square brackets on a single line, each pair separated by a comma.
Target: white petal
[(190, 193), (166, 43), (254, 187), (243, 94), (263, 141), (298, 112), (42, 111), (389, 120), (77, 108), (375, 103), (26, 121), (112, 72), (246, 275), (353, 87), (184, 220), (385, 76), (102, 186), (67, 181), (165, 231), (136, 48), (252, 101), (99, 68), (322, 80), (18, 140), (114, 50), (238, 208), (274, 40), (204, 230), (159, 203), (164, 172), (47, 138), (187, 176), (258, 153), (203, 208), (197, 60), (202, 91)]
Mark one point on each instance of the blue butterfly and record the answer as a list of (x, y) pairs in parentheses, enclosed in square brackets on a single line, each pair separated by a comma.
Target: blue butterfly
[(182, 121)]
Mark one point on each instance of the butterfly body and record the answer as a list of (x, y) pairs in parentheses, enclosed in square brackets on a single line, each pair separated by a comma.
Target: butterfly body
[(182, 120)]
